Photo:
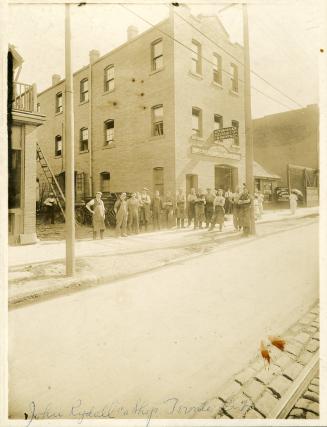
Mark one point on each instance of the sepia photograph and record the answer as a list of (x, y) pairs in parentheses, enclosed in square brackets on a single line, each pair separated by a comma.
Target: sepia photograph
[(160, 212)]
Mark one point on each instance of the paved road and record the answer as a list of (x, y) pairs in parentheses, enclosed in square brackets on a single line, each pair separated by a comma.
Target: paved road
[(175, 333)]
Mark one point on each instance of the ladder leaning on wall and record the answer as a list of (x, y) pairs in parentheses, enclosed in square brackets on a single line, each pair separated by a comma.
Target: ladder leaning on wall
[(51, 179)]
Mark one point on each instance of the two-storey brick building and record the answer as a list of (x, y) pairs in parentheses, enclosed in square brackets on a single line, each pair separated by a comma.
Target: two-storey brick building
[(145, 113)]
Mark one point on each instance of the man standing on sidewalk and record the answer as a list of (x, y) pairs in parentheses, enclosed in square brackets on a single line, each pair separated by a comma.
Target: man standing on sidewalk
[(244, 202), (145, 203), (209, 206), (191, 198), (120, 209), (219, 214), (50, 204), (133, 214), (156, 210), (199, 206), (180, 208)]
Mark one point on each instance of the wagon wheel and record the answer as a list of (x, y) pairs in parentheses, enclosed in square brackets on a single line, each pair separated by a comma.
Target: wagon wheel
[(111, 218)]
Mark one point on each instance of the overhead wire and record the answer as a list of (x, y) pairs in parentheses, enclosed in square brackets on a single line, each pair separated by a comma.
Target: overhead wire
[(203, 57)]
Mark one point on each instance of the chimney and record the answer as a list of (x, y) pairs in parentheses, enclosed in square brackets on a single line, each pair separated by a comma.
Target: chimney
[(55, 79), (94, 55), (132, 32)]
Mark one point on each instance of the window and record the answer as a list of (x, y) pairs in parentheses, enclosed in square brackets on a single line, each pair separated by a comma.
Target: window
[(235, 124), (217, 69), (109, 78), (156, 55), (157, 120), (83, 139), (218, 121), (158, 180), (234, 77), (84, 90), (58, 146), (196, 122), (105, 182), (59, 102), (196, 57), (109, 128)]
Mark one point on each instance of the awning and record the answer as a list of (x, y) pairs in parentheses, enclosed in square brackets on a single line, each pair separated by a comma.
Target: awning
[(260, 172)]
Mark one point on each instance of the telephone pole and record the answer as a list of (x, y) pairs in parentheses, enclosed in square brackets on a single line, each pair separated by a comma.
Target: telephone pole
[(248, 114), (69, 151)]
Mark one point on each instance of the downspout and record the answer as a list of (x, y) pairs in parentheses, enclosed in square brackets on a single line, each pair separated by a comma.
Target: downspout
[(90, 131)]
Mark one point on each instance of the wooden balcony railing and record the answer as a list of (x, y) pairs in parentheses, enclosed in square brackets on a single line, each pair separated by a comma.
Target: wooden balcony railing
[(24, 97)]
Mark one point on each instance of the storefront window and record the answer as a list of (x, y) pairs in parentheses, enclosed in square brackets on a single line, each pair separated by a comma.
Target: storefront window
[(15, 179)]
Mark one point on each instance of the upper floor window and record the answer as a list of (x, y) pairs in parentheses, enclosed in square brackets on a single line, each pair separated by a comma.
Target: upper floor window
[(83, 139), (109, 78), (59, 106), (156, 55), (84, 90), (196, 121), (158, 180), (218, 121), (217, 69), (58, 146), (109, 129), (157, 120), (234, 77), (196, 57), (235, 124)]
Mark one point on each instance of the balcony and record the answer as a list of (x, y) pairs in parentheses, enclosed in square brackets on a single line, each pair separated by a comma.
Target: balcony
[(24, 97)]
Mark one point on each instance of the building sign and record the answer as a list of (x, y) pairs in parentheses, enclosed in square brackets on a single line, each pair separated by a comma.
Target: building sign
[(225, 133), (215, 151), (312, 196)]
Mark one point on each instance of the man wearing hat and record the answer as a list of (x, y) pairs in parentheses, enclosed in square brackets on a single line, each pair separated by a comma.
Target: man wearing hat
[(145, 203), (120, 209), (210, 197), (98, 214), (133, 205), (50, 204)]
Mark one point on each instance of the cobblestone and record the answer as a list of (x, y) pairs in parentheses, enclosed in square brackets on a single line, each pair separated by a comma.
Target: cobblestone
[(229, 390), (315, 381), (303, 338), (297, 413), (307, 319), (254, 389), (315, 310), (308, 405), (283, 361), (266, 376), (311, 396), (305, 357), (313, 346), (294, 348), (279, 385), (314, 388), (266, 403), (252, 414), (292, 370), (316, 336), (244, 376), (311, 329)]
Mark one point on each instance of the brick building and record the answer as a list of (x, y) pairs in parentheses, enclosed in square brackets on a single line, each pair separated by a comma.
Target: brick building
[(287, 144), (23, 120), (145, 113)]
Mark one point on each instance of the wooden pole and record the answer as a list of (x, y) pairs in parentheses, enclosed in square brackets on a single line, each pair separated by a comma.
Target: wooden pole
[(248, 115), (69, 150)]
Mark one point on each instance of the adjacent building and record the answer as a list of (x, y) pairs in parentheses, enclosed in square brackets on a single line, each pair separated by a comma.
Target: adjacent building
[(147, 113), (23, 121), (287, 144)]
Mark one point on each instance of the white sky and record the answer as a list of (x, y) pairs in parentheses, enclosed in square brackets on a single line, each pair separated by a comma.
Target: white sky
[(284, 42)]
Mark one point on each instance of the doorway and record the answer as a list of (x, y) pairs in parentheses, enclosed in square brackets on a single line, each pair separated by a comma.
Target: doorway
[(226, 177)]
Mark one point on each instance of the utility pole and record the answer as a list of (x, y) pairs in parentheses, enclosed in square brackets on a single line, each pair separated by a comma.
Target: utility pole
[(248, 114), (69, 151)]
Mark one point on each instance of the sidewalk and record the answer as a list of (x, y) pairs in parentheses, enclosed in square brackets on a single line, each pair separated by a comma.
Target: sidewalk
[(39, 270)]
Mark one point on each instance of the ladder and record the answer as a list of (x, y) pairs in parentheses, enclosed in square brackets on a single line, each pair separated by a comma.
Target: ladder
[(52, 181)]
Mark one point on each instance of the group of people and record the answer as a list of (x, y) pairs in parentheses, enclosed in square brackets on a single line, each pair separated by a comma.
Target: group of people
[(200, 209)]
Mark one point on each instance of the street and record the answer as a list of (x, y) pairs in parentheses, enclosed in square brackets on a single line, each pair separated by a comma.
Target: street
[(162, 338)]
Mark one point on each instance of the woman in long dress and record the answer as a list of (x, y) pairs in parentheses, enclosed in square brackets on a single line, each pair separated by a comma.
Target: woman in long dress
[(98, 213)]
